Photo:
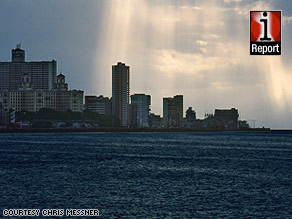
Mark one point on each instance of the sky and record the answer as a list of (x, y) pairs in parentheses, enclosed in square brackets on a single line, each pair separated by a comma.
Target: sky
[(199, 49)]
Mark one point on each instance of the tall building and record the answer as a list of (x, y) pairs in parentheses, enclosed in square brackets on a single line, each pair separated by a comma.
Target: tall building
[(100, 104), (173, 112), (121, 92), (43, 73), (140, 105)]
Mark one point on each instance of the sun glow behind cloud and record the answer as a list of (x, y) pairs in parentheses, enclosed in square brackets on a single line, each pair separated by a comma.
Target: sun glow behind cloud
[(190, 49)]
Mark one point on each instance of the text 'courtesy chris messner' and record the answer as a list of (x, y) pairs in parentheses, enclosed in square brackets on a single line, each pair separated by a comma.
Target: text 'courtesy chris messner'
[(50, 212), (265, 32)]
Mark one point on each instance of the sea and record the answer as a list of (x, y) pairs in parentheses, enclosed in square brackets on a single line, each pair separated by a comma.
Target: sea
[(149, 174)]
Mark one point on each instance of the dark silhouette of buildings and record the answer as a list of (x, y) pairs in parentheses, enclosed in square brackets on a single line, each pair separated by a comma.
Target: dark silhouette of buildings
[(223, 119), (190, 118), (32, 86), (100, 104), (155, 121), (228, 117), (173, 112)]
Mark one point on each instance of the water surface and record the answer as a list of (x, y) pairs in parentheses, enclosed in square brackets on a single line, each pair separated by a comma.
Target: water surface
[(150, 175)]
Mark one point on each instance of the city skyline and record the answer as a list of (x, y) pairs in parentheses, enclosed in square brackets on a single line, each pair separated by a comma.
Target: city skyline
[(172, 47)]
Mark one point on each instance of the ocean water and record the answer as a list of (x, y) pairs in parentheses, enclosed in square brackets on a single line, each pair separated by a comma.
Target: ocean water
[(150, 175)]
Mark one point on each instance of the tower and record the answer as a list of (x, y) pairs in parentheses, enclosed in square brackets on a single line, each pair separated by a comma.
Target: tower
[(121, 92), (61, 85), (18, 54)]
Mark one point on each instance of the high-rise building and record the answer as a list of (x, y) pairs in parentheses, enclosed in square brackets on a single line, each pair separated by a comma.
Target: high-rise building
[(43, 74), (140, 105), (173, 112), (121, 92)]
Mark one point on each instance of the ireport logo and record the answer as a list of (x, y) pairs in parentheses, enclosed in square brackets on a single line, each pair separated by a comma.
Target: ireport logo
[(265, 32)]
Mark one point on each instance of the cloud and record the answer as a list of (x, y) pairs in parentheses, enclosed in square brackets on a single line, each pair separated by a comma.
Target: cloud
[(229, 1), (219, 61), (243, 8), (286, 20), (221, 85), (199, 49), (172, 62), (191, 7), (197, 8), (212, 64), (201, 42)]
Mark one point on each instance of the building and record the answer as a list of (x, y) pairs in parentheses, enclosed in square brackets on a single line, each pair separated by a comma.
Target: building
[(121, 92), (7, 116), (140, 107), (32, 100), (190, 118), (1, 112), (61, 84), (43, 73), (17, 54), (100, 104), (155, 121), (222, 119), (59, 95), (228, 117), (76, 100), (173, 112)]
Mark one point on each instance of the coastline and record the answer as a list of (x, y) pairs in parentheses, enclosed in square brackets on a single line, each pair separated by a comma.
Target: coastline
[(136, 130)]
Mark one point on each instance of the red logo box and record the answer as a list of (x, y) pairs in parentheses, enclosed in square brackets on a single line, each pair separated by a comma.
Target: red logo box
[(265, 32)]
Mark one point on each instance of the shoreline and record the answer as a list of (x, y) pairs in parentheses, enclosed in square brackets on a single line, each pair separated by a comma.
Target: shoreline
[(136, 130)]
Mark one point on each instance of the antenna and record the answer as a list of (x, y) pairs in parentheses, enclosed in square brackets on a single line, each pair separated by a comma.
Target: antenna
[(18, 46)]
